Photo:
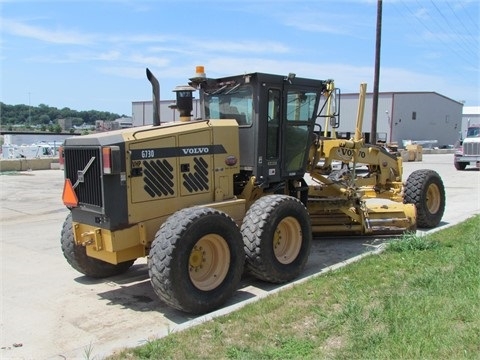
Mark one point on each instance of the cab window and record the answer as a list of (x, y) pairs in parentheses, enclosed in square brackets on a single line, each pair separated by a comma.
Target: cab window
[(231, 103)]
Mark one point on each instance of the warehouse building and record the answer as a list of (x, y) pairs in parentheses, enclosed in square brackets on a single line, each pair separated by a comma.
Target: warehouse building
[(142, 112), (425, 118)]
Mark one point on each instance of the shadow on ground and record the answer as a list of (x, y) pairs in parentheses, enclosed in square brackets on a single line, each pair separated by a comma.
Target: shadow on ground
[(133, 290)]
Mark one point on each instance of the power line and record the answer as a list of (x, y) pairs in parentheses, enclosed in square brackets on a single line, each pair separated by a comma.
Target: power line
[(465, 46), (467, 30), (467, 14), (463, 53)]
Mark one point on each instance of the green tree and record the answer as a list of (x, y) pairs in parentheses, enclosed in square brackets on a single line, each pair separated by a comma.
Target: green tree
[(44, 119), (42, 114)]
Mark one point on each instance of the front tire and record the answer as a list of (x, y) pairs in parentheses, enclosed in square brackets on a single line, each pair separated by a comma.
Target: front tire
[(196, 260), (277, 236), (424, 189), (460, 165), (77, 257)]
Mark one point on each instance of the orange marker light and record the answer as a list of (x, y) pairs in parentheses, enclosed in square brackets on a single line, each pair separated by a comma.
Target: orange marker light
[(107, 160), (61, 157), (69, 197)]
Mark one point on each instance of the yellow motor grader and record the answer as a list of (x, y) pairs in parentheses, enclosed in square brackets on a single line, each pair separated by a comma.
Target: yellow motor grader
[(243, 188)]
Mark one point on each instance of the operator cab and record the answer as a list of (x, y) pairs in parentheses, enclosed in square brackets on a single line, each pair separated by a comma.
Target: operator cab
[(276, 117)]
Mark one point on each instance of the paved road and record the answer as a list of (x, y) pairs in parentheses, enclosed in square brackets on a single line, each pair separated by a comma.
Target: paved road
[(49, 311)]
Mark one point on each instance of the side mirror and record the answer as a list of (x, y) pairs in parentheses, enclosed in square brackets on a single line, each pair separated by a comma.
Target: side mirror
[(335, 103)]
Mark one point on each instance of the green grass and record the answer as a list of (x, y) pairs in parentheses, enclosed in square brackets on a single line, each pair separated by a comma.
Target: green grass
[(419, 299)]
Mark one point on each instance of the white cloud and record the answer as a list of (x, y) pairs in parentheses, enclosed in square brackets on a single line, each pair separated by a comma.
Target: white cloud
[(140, 38), (171, 49), (58, 36), (75, 57), (131, 72), (240, 46), (109, 55), (307, 23), (149, 60), (422, 14)]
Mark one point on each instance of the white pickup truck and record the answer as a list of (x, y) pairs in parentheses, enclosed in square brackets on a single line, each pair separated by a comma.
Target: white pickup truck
[(468, 151)]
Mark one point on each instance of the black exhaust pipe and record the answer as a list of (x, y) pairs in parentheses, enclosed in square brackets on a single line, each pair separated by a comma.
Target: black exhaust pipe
[(155, 97)]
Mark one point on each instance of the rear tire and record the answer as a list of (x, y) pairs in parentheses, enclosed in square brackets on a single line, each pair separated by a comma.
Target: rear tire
[(277, 237), (424, 189), (77, 257), (196, 260)]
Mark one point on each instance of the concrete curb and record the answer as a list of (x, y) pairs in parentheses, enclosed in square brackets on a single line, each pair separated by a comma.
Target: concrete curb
[(25, 164), (229, 309)]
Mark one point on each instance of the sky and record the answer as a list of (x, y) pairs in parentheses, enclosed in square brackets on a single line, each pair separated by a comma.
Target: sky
[(92, 55)]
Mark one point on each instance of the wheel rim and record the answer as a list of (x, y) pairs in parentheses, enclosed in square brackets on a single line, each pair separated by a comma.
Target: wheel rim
[(433, 198), (287, 240), (209, 261)]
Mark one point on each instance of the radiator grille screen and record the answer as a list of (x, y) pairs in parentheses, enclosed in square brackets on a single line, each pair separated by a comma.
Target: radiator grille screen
[(471, 148), (83, 168)]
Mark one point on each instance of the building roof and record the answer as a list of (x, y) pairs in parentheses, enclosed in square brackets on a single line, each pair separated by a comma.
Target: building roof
[(407, 93)]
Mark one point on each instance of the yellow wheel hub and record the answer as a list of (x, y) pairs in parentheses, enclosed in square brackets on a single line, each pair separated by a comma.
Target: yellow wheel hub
[(196, 257), (433, 198), (287, 240), (208, 262)]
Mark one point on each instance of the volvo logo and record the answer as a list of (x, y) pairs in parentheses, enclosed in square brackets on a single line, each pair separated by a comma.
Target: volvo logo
[(81, 173), (196, 150)]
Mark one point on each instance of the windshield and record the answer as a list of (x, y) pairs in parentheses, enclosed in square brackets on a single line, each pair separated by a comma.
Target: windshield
[(473, 132), (235, 102)]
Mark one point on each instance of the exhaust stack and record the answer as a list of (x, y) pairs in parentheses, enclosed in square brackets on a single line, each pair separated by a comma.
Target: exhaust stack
[(155, 97)]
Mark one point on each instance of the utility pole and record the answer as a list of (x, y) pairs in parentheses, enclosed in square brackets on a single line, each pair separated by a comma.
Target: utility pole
[(373, 132)]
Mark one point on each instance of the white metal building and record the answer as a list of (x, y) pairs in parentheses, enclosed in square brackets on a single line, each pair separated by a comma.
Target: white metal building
[(428, 118), (142, 112)]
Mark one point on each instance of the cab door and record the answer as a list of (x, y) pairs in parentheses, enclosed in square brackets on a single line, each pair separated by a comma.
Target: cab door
[(299, 105), (273, 132)]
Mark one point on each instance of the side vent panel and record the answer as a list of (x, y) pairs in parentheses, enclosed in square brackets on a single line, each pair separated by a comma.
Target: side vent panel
[(172, 167), (196, 177), (158, 178)]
